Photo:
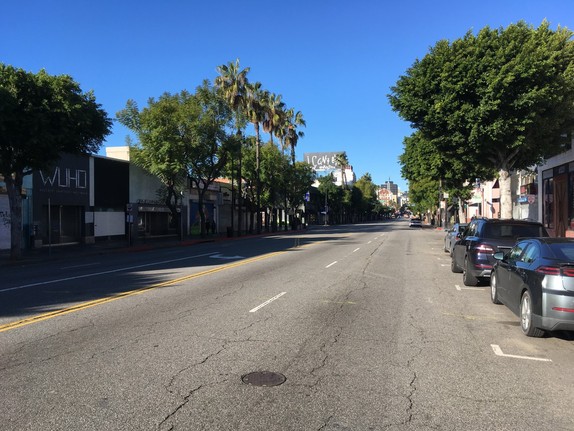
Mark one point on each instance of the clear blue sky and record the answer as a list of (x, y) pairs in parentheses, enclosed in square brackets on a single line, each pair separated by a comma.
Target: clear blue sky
[(333, 60)]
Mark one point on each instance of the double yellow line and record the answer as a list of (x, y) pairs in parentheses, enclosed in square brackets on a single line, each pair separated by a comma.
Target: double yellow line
[(84, 305)]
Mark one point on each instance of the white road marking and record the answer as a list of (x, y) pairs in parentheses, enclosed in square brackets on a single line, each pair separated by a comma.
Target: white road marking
[(331, 264), (357, 249), (267, 302), (498, 352), (369, 242), (95, 274), (460, 289), (220, 256)]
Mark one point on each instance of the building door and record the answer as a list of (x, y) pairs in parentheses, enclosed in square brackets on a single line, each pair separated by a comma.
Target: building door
[(560, 205), (64, 224)]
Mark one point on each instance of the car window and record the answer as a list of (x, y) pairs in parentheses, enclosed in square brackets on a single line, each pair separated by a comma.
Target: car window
[(564, 251), (526, 231), (461, 228), (516, 251), (499, 230), (531, 253), (492, 230)]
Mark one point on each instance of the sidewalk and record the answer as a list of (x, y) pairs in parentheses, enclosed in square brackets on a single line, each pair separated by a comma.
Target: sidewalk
[(69, 251)]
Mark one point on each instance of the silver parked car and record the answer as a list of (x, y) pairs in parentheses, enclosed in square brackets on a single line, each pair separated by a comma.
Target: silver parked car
[(535, 280), (452, 235)]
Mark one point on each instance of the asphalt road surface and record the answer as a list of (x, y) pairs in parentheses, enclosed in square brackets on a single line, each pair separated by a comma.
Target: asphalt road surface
[(359, 327)]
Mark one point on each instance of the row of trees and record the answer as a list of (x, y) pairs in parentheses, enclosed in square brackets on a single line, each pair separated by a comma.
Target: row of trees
[(182, 137), (483, 106), (202, 136), (351, 204)]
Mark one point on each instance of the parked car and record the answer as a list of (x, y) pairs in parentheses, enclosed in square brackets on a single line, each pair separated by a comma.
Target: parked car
[(535, 280), (452, 235), (473, 253), (416, 222)]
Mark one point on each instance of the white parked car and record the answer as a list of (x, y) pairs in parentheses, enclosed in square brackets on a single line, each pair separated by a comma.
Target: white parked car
[(416, 222)]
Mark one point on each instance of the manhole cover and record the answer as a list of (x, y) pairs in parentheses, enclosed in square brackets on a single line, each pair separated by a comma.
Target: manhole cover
[(263, 378)]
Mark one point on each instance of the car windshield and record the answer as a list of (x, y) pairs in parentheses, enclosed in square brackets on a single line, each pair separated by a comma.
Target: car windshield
[(512, 231)]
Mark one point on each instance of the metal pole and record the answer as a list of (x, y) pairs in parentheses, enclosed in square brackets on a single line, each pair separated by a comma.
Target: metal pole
[(326, 194)]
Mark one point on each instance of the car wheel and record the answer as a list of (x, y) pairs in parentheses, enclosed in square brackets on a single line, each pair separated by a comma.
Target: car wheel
[(467, 278), (453, 266), (526, 317), (493, 289)]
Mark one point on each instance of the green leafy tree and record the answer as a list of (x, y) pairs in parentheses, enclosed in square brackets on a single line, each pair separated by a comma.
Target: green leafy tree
[(503, 98), (301, 178), (41, 117), (365, 201), (274, 178), (330, 195), (181, 136), (422, 162)]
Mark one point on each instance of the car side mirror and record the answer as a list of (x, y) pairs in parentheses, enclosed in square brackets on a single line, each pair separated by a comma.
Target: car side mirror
[(499, 255)]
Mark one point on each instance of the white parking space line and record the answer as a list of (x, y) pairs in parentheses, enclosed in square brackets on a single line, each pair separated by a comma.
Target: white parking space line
[(498, 352), (357, 249), (331, 264), (269, 301), (460, 289)]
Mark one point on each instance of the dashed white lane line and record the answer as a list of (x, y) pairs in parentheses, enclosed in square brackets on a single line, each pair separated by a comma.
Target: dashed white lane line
[(369, 242), (357, 249), (331, 264), (498, 352), (269, 301)]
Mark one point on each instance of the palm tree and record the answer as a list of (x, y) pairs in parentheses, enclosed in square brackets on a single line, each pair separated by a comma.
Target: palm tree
[(342, 161), (274, 110), (288, 135), (256, 114), (234, 84), (290, 132)]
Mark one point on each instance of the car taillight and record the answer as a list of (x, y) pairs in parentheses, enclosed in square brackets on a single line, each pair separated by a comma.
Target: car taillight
[(483, 248), (549, 270), (568, 271)]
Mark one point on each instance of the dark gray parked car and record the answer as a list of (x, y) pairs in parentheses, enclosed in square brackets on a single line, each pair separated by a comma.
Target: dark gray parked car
[(473, 253), (535, 280), (452, 235)]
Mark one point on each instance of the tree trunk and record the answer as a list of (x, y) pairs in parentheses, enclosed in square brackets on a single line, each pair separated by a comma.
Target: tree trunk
[(504, 182), (14, 186), (200, 199)]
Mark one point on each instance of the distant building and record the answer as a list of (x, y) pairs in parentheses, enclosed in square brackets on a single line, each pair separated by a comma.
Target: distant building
[(392, 187)]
